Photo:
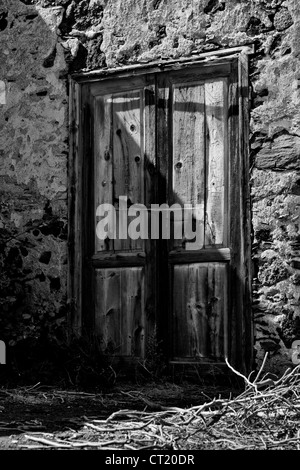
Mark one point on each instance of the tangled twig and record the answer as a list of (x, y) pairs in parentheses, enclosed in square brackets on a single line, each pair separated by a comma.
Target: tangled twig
[(264, 416)]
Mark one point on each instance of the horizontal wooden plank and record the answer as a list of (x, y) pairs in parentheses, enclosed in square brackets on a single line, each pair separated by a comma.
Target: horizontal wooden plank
[(102, 260), (209, 255), (183, 74), (191, 77), (121, 85), (163, 64)]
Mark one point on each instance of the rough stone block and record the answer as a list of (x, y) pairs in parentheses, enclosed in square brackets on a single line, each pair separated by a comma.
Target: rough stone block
[(281, 153)]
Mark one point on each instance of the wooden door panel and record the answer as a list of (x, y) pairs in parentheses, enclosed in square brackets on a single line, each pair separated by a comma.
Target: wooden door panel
[(120, 313), (195, 113), (119, 164), (189, 154), (123, 267), (199, 291), (216, 207), (199, 314), (128, 159), (199, 165), (165, 140)]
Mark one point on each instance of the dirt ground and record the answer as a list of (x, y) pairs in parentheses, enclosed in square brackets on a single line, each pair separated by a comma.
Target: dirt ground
[(159, 416), (44, 409)]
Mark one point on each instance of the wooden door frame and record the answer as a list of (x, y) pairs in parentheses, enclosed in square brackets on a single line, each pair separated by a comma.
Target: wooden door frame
[(80, 177)]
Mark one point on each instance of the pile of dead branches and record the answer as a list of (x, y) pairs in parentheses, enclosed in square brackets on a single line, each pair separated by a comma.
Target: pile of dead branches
[(265, 416)]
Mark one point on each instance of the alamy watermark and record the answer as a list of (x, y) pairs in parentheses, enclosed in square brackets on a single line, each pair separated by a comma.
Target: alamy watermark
[(139, 222)]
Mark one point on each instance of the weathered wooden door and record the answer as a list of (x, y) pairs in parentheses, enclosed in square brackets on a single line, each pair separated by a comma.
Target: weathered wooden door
[(196, 148), (170, 137), (123, 263)]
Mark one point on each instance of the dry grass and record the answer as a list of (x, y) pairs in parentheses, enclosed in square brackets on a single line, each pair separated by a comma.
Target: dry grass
[(264, 416)]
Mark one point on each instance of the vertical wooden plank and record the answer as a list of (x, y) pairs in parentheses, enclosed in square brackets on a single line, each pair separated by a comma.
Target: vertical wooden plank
[(164, 136), (150, 145), (186, 319), (164, 193), (87, 215), (74, 208), (199, 304), (235, 352), (199, 311), (139, 316), (108, 311), (215, 162), (247, 325), (227, 332), (132, 319), (240, 323), (103, 161), (189, 155), (179, 324), (217, 309), (150, 170), (119, 319), (128, 156)]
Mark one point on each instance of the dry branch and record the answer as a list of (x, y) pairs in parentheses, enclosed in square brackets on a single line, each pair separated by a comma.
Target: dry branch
[(264, 416)]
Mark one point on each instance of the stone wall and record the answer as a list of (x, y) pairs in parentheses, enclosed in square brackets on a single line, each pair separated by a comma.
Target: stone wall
[(42, 41), (33, 174)]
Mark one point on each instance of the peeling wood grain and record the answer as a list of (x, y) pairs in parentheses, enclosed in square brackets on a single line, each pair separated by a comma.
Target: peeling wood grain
[(215, 114), (103, 161), (128, 159), (199, 312), (189, 155), (198, 299), (119, 318)]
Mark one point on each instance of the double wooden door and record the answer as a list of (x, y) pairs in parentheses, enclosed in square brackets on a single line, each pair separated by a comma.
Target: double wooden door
[(153, 141)]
